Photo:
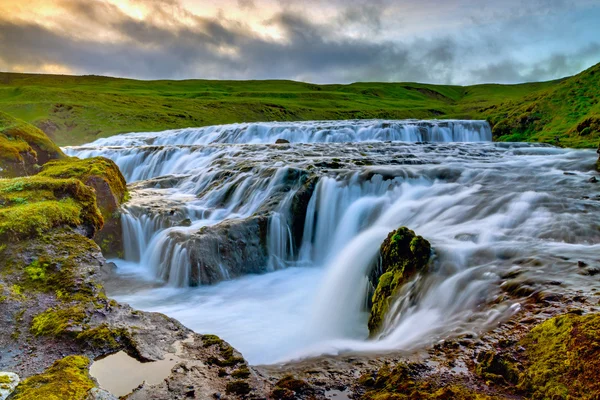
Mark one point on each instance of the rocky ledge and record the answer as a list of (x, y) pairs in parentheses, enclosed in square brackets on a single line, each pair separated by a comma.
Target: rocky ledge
[(56, 318)]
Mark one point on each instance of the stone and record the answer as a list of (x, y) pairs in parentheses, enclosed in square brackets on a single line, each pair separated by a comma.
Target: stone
[(282, 141), (403, 254), (8, 383)]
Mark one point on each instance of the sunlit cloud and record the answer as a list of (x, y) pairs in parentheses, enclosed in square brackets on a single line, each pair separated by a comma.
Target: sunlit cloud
[(437, 41)]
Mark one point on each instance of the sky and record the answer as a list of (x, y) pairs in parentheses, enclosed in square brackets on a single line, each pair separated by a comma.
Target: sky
[(334, 41)]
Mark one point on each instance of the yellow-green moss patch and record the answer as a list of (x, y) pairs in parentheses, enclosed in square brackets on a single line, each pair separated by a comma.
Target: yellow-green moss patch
[(32, 206), (66, 379), (403, 254), (563, 358), (403, 383), (87, 170), (23, 147)]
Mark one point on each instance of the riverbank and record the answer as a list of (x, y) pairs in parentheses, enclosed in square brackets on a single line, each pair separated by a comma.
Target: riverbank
[(73, 110)]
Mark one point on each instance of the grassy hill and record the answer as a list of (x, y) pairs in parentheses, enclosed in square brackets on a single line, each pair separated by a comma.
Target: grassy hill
[(78, 109)]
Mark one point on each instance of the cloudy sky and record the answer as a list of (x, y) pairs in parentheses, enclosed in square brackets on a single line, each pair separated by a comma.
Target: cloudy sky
[(434, 41)]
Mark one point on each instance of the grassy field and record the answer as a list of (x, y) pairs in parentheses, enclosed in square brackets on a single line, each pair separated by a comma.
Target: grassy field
[(78, 109)]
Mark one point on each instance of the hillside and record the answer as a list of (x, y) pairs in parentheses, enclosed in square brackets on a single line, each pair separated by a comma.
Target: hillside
[(79, 109), (569, 109)]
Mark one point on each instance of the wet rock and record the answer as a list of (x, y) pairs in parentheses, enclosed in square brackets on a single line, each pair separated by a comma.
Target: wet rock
[(110, 188), (593, 179), (227, 250), (100, 394), (402, 255), (581, 264), (8, 383), (282, 141), (495, 367), (185, 222)]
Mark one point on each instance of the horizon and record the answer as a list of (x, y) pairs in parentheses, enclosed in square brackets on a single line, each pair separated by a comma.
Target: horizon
[(291, 80), (458, 42)]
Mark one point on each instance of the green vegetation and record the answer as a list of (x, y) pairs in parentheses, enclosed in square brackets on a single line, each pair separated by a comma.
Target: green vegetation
[(33, 205), (100, 173), (403, 254), (562, 358), (78, 109), (403, 383), (67, 378), (23, 147), (238, 387), (566, 113), (289, 388)]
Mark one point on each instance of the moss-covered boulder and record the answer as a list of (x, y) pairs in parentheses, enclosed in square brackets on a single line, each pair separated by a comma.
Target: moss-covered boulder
[(67, 378), (30, 206), (23, 147), (563, 358), (104, 176), (405, 382), (402, 255)]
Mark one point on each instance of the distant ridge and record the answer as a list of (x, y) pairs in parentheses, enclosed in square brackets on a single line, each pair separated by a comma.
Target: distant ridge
[(78, 109)]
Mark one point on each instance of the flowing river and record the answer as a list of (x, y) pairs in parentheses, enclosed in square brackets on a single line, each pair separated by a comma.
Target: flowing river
[(269, 245)]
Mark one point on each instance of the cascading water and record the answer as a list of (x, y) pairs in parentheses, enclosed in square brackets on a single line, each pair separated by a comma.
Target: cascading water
[(219, 205)]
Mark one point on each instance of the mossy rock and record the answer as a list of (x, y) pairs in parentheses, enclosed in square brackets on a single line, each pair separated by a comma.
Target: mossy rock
[(402, 382), (34, 205), (104, 176), (67, 378), (23, 147), (563, 358), (402, 255), (497, 368), (99, 173)]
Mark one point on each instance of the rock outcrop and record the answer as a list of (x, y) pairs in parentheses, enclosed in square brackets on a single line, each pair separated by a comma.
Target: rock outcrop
[(23, 148), (402, 255), (227, 250), (102, 175)]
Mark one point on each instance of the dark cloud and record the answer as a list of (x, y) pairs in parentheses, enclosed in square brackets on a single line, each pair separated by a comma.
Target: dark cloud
[(554, 66), (162, 47)]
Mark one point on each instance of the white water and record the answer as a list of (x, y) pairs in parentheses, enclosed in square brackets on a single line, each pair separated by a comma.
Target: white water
[(485, 208)]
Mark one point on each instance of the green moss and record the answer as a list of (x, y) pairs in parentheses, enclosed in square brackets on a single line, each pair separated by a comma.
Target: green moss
[(66, 379), (32, 206), (23, 147), (241, 373), (211, 340), (562, 355), (90, 171), (104, 337), (4, 379), (496, 368), (54, 322), (227, 357), (238, 387), (403, 254), (403, 383)]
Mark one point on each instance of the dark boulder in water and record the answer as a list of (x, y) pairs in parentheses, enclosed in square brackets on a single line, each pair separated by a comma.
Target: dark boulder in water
[(282, 141), (402, 255), (227, 250)]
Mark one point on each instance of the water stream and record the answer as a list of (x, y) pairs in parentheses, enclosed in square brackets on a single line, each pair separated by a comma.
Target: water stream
[(269, 246)]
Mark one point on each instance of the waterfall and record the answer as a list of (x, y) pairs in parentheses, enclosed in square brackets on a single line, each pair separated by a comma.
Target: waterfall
[(284, 236), (311, 132)]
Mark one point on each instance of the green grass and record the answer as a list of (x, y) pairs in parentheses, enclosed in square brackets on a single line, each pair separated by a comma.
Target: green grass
[(78, 109)]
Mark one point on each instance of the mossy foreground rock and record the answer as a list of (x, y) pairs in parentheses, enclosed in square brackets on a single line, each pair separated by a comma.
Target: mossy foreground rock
[(404, 382), (30, 206), (23, 147), (563, 358), (66, 379), (403, 254), (110, 188)]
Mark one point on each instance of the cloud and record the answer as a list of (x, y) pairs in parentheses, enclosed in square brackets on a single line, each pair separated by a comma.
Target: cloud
[(354, 45)]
